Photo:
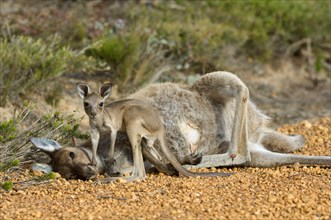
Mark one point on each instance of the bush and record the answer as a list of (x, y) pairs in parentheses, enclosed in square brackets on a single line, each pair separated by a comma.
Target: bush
[(15, 144), (132, 57), (26, 62), (196, 36), (206, 34)]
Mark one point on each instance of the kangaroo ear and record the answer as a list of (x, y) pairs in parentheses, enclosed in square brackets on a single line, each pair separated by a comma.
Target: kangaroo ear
[(82, 89), (42, 167), (47, 145), (105, 90)]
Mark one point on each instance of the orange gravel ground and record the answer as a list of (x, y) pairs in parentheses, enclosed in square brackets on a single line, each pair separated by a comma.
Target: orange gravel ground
[(291, 192)]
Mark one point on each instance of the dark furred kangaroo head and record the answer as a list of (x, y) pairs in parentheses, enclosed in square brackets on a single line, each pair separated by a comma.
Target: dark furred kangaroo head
[(93, 102), (70, 162)]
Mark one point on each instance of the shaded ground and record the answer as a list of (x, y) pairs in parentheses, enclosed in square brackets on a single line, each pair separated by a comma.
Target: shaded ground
[(291, 192)]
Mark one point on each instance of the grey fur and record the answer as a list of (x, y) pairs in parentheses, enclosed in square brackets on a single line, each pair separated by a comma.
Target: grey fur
[(215, 118)]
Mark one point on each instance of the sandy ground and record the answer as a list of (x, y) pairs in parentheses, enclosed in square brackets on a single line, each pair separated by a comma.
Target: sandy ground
[(289, 192)]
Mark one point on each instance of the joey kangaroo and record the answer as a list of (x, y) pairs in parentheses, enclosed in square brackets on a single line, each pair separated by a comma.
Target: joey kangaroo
[(138, 118), (213, 118)]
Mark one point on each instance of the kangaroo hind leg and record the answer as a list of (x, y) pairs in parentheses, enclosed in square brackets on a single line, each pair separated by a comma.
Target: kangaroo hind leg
[(138, 162), (222, 87), (278, 142), (262, 157)]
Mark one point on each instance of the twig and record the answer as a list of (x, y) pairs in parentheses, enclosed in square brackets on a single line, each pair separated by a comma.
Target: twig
[(308, 54), (295, 46), (157, 75), (111, 197), (29, 183)]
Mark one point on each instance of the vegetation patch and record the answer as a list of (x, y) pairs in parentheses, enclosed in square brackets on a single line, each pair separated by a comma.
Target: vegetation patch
[(131, 56), (26, 62), (8, 185), (130, 40), (17, 147)]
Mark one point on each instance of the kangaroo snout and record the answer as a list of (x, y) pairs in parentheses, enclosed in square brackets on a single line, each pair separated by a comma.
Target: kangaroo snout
[(92, 114)]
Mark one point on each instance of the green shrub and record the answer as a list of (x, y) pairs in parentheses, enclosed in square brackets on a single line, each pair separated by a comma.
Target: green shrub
[(8, 165), (54, 94), (26, 62), (8, 185), (206, 34), (47, 176), (53, 125), (194, 36), (7, 130), (132, 57)]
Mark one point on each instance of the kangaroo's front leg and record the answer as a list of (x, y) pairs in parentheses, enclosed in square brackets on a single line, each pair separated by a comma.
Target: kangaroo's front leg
[(113, 135), (109, 162), (223, 87), (111, 158), (95, 136), (139, 172)]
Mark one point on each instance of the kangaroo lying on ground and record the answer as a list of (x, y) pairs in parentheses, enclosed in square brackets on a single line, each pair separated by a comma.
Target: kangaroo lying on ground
[(138, 118), (213, 118)]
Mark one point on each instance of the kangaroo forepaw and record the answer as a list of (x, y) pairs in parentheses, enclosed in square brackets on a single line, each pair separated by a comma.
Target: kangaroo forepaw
[(110, 168), (196, 159), (91, 171), (113, 173), (192, 159)]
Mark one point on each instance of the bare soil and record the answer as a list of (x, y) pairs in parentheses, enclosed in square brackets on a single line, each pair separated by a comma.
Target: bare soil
[(288, 192)]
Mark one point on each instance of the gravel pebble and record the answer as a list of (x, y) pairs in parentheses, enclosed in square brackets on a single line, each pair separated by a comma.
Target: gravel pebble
[(288, 192)]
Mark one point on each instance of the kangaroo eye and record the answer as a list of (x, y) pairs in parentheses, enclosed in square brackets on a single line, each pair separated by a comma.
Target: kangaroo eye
[(72, 155), (86, 104), (101, 104)]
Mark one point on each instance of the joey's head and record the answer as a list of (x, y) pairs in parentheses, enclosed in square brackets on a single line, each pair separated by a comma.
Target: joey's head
[(70, 162), (93, 101)]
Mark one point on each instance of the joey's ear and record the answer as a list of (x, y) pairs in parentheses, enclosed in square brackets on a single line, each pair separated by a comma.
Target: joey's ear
[(105, 90), (47, 145), (82, 89)]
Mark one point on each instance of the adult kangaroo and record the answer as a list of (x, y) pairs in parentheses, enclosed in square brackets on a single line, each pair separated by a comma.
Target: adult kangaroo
[(215, 118), (139, 119)]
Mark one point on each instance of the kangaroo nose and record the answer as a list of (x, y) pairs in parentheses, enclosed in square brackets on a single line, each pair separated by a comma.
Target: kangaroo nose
[(93, 114)]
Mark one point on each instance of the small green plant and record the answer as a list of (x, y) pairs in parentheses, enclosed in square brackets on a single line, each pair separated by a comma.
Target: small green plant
[(9, 165), (53, 95), (111, 50), (47, 176), (8, 185), (7, 130), (26, 62)]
